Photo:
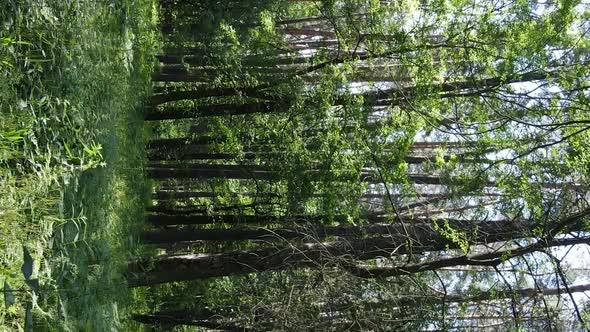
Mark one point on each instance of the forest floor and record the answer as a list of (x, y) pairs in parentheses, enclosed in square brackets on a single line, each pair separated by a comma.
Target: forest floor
[(73, 78)]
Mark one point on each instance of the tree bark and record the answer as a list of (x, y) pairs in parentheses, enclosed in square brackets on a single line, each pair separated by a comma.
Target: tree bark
[(418, 229), (189, 219), (173, 194), (171, 113), (213, 322), (208, 171), (174, 143), (317, 254)]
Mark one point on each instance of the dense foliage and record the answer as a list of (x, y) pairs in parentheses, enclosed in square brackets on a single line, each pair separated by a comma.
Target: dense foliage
[(73, 78), (294, 165), (368, 165)]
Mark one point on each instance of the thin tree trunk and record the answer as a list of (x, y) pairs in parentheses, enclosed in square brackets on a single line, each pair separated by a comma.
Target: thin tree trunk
[(368, 175), (317, 254), (173, 194), (488, 259), (169, 320), (175, 143), (189, 219), (210, 110), (417, 229)]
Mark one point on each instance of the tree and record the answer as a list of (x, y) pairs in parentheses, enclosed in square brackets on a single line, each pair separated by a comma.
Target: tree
[(460, 125)]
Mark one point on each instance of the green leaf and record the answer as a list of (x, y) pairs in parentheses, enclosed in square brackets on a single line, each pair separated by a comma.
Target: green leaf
[(5, 40), (68, 151), (9, 298), (27, 267), (21, 42)]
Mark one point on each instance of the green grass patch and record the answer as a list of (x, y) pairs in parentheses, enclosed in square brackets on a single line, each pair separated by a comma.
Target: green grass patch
[(73, 78)]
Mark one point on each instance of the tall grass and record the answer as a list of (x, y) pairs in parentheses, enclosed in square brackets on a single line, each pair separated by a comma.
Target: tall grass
[(73, 76)]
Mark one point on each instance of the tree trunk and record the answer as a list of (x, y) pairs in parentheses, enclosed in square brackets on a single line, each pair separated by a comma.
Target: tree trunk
[(395, 96), (188, 219), (161, 209), (170, 320), (173, 194), (418, 229), (491, 259), (171, 113), (174, 143), (208, 171), (317, 254)]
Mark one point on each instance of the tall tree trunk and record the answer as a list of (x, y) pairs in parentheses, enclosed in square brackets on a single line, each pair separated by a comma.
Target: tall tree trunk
[(492, 259), (196, 266), (162, 209), (213, 322), (208, 171), (175, 143), (171, 113), (418, 229), (189, 219), (368, 175), (175, 194)]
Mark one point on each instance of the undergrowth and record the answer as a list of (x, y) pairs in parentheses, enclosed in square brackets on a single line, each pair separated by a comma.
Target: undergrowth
[(73, 78)]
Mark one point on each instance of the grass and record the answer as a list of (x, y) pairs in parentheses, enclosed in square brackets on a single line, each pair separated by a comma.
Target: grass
[(73, 77)]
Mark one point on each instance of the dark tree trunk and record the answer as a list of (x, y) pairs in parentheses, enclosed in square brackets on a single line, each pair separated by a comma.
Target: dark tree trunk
[(316, 254), (417, 229), (180, 77), (491, 259), (395, 96), (212, 322), (189, 219), (175, 143), (173, 194), (368, 175), (211, 110), (162, 209), (208, 171)]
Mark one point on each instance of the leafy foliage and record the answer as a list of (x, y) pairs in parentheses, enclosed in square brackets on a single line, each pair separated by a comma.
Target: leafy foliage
[(73, 76), (464, 118)]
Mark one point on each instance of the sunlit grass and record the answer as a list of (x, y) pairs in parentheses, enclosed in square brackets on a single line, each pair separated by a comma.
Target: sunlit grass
[(74, 75)]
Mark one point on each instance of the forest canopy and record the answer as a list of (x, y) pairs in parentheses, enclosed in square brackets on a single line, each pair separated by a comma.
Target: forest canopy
[(369, 165), (295, 165)]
